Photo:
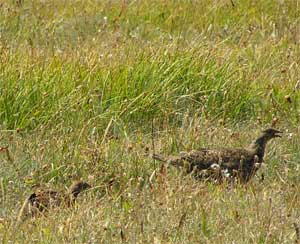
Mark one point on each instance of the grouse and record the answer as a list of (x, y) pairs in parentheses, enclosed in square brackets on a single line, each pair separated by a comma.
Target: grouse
[(44, 199), (234, 163)]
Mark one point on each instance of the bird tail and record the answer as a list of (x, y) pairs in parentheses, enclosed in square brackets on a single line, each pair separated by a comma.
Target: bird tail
[(159, 157), (174, 161), (23, 212)]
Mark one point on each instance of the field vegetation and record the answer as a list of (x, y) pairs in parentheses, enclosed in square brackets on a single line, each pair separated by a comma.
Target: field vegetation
[(88, 89)]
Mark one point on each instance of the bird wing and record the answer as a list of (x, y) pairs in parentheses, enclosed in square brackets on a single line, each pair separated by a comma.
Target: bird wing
[(228, 158), (44, 198)]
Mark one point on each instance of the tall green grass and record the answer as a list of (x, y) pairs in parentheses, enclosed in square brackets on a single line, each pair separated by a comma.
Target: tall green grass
[(36, 94)]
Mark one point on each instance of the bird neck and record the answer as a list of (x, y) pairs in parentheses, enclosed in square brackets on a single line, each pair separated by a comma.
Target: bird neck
[(74, 194), (71, 198), (259, 146)]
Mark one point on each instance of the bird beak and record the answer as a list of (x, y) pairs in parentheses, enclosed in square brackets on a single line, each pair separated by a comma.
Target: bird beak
[(277, 133)]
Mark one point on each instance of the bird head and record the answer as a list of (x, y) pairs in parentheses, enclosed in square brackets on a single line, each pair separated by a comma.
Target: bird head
[(260, 143), (78, 187), (271, 133)]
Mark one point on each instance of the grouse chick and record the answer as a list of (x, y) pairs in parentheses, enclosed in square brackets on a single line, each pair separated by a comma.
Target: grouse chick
[(44, 199)]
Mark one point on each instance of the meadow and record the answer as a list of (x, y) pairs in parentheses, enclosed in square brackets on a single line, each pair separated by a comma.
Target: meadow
[(88, 89)]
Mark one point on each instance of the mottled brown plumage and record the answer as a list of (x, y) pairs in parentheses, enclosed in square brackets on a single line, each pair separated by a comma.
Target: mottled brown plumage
[(44, 199), (241, 163)]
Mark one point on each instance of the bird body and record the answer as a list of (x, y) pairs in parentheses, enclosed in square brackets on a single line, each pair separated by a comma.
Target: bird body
[(240, 163), (42, 199)]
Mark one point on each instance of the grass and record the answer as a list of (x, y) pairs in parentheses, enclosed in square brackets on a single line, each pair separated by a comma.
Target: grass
[(87, 87)]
